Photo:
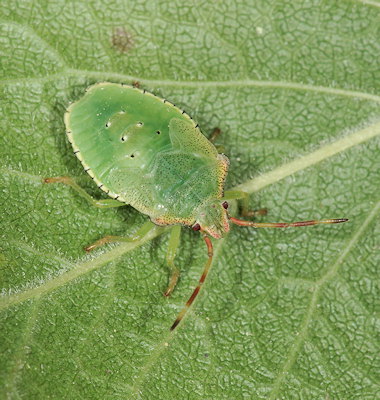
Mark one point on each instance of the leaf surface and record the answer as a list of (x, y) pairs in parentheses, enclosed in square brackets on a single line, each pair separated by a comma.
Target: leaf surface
[(285, 314)]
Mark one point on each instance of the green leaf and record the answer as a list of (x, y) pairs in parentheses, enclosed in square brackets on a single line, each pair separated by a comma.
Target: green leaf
[(284, 314)]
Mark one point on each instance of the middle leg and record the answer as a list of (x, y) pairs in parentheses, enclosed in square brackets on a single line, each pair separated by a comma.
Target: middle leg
[(148, 226)]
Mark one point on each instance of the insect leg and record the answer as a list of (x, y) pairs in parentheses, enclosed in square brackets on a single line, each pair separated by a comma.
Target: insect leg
[(213, 137), (201, 281), (214, 134), (172, 249), (133, 238), (244, 197), (108, 203)]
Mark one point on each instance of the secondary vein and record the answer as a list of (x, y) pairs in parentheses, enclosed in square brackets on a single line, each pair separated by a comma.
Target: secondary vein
[(331, 272), (308, 160), (78, 270)]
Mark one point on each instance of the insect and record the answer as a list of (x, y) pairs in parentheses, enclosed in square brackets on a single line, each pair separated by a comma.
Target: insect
[(144, 151)]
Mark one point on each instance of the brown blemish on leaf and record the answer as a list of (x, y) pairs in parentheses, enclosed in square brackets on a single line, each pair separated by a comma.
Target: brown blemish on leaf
[(122, 40)]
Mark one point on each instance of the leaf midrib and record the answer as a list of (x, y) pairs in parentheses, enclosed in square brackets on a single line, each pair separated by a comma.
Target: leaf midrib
[(250, 186)]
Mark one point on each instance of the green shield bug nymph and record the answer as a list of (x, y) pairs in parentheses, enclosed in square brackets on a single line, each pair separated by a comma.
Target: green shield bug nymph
[(144, 151)]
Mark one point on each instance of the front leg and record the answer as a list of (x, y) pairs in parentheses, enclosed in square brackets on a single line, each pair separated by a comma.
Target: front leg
[(244, 197), (214, 135)]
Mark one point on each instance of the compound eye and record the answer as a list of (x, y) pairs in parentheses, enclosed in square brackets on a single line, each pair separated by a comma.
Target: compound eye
[(225, 205), (196, 227)]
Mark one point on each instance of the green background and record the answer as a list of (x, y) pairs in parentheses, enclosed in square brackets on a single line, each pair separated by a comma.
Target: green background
[(285, 314)]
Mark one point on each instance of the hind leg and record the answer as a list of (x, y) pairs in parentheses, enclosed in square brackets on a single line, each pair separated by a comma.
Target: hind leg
[(108, 203)]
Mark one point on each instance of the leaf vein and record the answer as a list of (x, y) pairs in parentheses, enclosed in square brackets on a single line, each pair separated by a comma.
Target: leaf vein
[(81, 268), (33, 34), (308, 160), (196, 84), (303, 332)]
